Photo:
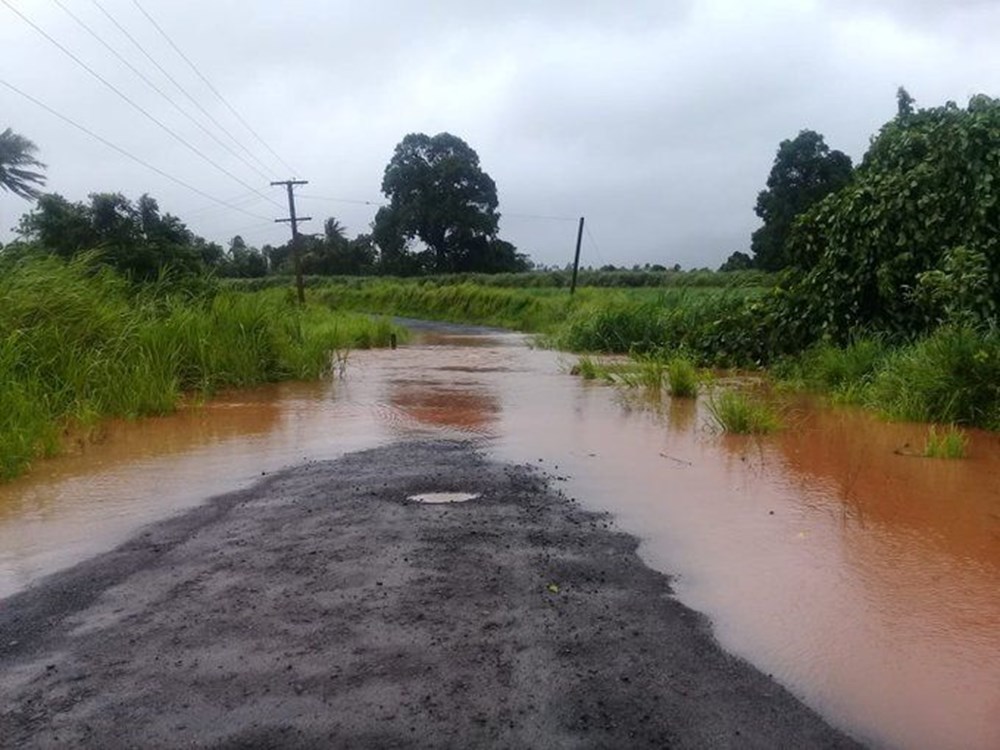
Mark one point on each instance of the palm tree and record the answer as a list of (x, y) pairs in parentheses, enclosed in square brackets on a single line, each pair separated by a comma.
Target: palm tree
[(16, 159)]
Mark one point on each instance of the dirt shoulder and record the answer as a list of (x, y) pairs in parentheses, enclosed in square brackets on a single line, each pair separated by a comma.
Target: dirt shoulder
[(320, 608)]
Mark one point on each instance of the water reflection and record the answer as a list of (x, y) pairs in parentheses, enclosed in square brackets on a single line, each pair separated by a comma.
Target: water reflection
[(472, 408), (863, 578)]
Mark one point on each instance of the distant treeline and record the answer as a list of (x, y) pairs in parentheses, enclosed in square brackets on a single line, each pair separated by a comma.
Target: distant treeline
[(550, 279)]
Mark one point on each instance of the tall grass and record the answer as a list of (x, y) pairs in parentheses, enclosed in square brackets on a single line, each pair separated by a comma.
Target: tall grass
[(78, 344), (952, 443), (462, 303), (683, 378), (951, 377), (552, 279), (697, 321), (738, 413), (843, 371)]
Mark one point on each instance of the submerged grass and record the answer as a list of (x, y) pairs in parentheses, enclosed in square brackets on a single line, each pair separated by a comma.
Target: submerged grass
[(952, 443), (78, 344), (738, 413), (683, 378)]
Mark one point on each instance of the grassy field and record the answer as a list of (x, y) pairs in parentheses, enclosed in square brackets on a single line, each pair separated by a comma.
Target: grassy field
[(637, 320), (79, 344)]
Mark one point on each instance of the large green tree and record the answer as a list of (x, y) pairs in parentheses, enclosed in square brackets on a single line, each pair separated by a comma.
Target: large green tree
[(134, 238), (805, 171), (18, 166), (439, 194), (915, 238)]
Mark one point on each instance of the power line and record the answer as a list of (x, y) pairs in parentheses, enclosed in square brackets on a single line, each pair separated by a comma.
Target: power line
[(240, 230), (541, 217), (158, 90), (123, 152), (178, 85), (208, 83), (243, 200), (593, 242), (115, 89), (342, 200)]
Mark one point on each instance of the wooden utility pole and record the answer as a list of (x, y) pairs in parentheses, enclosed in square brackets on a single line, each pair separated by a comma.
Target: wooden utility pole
[(294, 220), (576, 259)]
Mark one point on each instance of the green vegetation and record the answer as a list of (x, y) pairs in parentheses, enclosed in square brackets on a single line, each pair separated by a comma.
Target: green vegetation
[(738, 413), (951, 444), (842, 371), (18, 165), (587, 368), (683, 378), (911, 242), (647, 371), (951, 376), (805, 171), (542, 281), (78, 343), (440, 195)]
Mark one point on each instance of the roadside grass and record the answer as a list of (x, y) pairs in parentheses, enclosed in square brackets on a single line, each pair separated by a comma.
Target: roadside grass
[(78, 344), (544, 281), (949, 377), (738, 413), (843, 372), (951, 444), (459, 303)]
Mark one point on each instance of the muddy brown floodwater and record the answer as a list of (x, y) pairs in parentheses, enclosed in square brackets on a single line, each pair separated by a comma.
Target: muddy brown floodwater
[(865, 579)]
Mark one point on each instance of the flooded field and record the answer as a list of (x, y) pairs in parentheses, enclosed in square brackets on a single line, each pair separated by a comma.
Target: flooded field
[(864, 578)]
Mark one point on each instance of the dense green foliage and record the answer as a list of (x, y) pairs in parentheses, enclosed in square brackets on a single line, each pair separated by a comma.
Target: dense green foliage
[(78, 343), (805, 171), (914, 240), (18, 165), (440, 195), (135, 239)]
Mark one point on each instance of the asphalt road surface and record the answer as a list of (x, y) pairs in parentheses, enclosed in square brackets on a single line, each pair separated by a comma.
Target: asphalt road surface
[(322, 608)]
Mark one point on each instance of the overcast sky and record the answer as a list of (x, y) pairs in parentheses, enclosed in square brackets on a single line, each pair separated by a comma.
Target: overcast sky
[(657, 121)]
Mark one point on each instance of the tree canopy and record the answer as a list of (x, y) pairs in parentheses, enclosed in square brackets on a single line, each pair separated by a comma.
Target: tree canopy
[(805, 171), (18, 165), (439, 194), (916, 235), (135, 238)]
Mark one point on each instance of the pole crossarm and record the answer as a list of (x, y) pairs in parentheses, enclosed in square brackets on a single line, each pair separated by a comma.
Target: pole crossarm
[(294, 221)]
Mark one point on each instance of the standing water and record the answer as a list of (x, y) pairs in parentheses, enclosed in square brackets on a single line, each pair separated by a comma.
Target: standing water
[(862, 577)]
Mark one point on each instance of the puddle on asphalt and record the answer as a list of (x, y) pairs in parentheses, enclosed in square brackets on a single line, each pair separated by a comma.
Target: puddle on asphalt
[(865, 580), (443, 497)]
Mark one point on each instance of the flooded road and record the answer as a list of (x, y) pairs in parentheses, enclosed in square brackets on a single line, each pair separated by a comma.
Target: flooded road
[(865, 579)]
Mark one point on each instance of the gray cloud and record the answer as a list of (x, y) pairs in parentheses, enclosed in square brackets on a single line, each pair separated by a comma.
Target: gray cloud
[(658, 121)]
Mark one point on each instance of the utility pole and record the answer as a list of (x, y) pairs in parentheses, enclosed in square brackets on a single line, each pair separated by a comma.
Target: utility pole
[(576, 259), (294, 220)]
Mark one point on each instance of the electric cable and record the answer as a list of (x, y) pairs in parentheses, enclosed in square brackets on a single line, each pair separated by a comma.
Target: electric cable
[(127, 154), (159, 91), (540, 217), (340, 200), (208, 83), (222, 128), (138, 107)]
